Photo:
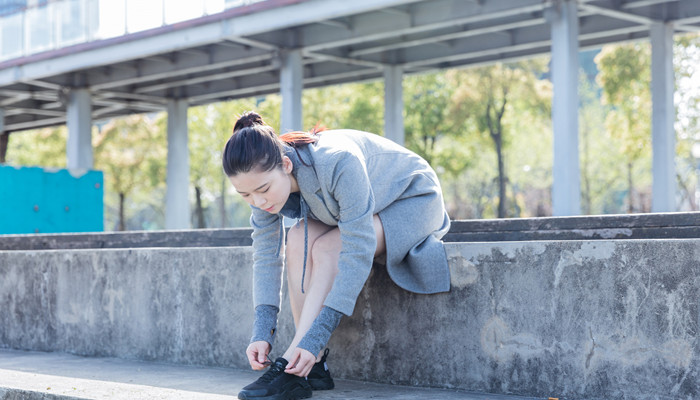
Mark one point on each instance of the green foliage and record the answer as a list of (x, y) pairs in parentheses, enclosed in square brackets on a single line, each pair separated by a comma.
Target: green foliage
[(687, 65), (497, 105), (130, 152), (625, 77), (40, 147), (353, 106), (426, 100)]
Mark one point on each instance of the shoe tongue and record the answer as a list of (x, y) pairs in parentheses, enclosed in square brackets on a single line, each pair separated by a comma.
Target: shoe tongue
[(281, 362)]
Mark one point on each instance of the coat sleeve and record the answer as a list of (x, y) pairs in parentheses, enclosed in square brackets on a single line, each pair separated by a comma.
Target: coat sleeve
[(268, 250), (350, 186)]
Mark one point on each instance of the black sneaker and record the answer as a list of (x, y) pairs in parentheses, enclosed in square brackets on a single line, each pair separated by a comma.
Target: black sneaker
[(275, 384), (320, 377)]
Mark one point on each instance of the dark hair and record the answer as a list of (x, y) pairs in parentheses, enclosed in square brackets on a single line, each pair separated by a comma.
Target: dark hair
[(254, 144)]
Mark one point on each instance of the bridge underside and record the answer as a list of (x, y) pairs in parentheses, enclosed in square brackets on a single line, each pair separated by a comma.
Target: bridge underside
[(237, 53)]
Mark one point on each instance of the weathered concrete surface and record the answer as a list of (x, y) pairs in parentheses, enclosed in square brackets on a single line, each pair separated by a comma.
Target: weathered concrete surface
[(574, 320), (681, 225), (593, 320), (178, 305), (48, 376)]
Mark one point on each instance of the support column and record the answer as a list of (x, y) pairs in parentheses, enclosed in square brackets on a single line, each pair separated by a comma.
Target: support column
[(79, 121), (4, 137), (566, 190), (291, 85), (663, 136), (393, 104), (177, 200)]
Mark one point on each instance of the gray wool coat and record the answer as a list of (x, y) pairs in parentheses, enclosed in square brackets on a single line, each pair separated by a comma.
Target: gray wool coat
[(345, 178)]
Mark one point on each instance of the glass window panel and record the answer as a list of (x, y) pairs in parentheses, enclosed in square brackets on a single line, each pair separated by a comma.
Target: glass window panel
[(181, 10), (38, 32), (11, 36), (214, 6), (8, 7), (238, 3), (111, 20), (71, 22), (234, 3), (143, 14)]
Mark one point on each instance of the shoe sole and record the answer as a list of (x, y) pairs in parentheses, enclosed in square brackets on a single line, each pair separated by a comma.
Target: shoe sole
[(321, 384), (298, 394), (278, 397)]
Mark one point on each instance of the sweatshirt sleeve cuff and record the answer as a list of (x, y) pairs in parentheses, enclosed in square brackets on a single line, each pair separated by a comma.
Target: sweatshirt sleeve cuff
[(321, 329), (265, 325)]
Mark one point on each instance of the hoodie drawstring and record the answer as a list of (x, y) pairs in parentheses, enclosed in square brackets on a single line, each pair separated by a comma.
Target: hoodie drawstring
[(280, 235), (304, 214)]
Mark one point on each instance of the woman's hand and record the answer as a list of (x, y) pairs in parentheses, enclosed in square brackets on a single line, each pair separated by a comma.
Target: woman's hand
[(257, 354), (301, 362)]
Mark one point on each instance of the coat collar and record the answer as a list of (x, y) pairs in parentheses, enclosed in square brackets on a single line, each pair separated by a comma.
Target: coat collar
[(303, 170)]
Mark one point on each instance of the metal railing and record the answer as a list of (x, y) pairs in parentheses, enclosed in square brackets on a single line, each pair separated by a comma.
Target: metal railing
[(56, 24)]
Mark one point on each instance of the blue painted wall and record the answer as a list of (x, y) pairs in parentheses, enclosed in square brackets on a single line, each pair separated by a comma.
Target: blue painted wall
[(38, 200)]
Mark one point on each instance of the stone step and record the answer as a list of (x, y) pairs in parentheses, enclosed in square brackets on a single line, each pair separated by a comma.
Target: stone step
[(48, 376)]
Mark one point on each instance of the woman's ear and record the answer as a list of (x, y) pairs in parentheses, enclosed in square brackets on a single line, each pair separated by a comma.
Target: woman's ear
[(287, 165)]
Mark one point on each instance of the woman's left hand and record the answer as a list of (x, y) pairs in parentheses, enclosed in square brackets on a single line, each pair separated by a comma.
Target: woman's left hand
[(301, 362)]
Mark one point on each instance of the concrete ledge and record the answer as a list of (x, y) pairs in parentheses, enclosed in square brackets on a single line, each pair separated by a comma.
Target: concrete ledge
[(53, 376), (578, 319), (637, 226)]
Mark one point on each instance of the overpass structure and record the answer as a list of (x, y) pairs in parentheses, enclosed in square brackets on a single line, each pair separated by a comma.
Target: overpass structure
[(74, 75)]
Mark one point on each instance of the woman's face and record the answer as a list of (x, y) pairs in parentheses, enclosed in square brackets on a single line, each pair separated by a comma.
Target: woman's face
[(266, 190)]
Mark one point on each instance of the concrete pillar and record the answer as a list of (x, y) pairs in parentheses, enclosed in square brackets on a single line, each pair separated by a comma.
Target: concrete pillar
[(566, 190), (79, 121), (663, 136), (4, 138), (177, 200), (393, 104), (291, 85)]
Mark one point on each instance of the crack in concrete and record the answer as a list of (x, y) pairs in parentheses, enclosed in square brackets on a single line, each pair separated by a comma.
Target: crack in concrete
[(592, 352)]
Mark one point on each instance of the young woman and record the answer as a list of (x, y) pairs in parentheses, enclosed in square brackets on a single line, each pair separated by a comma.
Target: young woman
[(357, 196)]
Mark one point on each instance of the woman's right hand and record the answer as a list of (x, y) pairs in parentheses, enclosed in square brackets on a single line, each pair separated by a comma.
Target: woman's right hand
[(257, 354)]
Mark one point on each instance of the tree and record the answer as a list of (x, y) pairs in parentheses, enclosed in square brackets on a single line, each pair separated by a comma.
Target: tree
[(484, 95), (210, 127), (686, 61), (4, 140), (426, 100), (626, 78), (128, 151), (204, 151), (44, 147)]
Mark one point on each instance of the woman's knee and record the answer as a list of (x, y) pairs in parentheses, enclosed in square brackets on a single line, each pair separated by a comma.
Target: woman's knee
[(295, 243), (326, 250)]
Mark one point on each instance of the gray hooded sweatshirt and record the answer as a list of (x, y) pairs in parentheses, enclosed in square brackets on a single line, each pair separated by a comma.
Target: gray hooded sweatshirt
[(344, 179)]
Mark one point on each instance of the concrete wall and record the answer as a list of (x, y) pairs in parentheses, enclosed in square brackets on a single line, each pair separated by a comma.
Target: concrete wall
[(578, 319)]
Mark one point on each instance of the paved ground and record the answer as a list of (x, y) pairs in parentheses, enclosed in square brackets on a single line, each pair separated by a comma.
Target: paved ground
[(48, 376)]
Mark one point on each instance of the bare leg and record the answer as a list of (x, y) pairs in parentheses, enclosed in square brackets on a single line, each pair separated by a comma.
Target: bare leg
[(321, 269), (295, 258)]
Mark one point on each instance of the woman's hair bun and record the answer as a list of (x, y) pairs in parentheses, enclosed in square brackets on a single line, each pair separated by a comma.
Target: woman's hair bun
[(248, 119)]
